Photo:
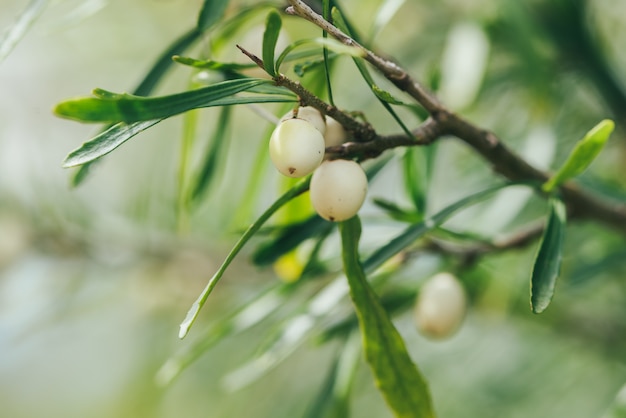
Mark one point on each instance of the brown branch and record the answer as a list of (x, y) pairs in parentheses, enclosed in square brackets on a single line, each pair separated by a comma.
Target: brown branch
[(505, 162)]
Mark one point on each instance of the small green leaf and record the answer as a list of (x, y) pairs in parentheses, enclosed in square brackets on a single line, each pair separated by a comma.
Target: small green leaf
[(106, 142), (548, 261), (583, 154), (396, 376), (112, 107), (193, 312), (212, 65), (212, 12), (396, 212), (385, 96), (273, 24)]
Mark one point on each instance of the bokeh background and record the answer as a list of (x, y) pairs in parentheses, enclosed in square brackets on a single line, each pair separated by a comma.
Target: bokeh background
[(94, 280)]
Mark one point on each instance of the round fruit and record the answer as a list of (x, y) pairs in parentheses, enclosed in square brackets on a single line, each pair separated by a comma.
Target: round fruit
[(335, 134), (296, 147), (338, 189), (309, 114), (440, 307)]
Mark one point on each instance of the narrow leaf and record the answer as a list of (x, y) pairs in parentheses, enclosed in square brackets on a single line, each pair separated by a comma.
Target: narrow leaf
[(414, 232), (192, 314), (130, 108), (583, 154), (397, 377), (548, 261), (385, 96), (212, 11), (212, 65), (106, 142), (270, 38), (219, 142), (327, 43)]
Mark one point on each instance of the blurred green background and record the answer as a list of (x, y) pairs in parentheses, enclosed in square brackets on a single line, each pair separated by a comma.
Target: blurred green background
[(95, 280)]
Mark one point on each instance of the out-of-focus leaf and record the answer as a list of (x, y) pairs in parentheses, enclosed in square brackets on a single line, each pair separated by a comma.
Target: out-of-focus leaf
[(618, 407), (396, 212), (113, 107), (333, 399), (106, 142), (212, 11), (219, 142), (246, 316), (548, 261), (289, 238), (585, 151), (415, 168), (384, 14), (396, 376), (211, 64), (192, 314), (15, 33), (273, 24)]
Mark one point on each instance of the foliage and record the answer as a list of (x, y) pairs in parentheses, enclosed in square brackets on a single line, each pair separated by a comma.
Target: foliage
[(422, 121)]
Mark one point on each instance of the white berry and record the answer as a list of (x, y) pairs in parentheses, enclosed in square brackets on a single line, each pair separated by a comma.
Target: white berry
[(296, 147), (338, 189), (335, 134), (440, 307), (309, 114)]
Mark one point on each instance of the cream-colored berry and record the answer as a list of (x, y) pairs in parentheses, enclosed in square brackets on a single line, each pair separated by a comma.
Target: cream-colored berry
[(338, 189), (335, 133), (310, 114), (441, 306), (296, 148)]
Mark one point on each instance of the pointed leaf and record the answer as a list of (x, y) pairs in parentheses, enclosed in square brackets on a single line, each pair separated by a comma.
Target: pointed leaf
[(270, 38), (193, 312), (396, 376), (548, 261), (583, 154), (212, 11), (106, 142), (130, 108)]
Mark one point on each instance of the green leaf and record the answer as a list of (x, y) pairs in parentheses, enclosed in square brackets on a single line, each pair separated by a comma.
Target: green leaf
[(413, 232), (112, 107), (205, 176), (193, 312), (416, 162), (385, 96), (327, 43), (548, 261), (212, 12), (396, 212), (270, 38), (212, 65), (106, 142), (340, 22), (583, 154), (14, 34), (396, 376)]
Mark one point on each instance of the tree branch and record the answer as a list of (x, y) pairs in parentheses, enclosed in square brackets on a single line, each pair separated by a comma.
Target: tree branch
[(505, 162)]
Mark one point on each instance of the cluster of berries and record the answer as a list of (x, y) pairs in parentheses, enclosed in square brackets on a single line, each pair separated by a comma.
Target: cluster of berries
[(297, 145)]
